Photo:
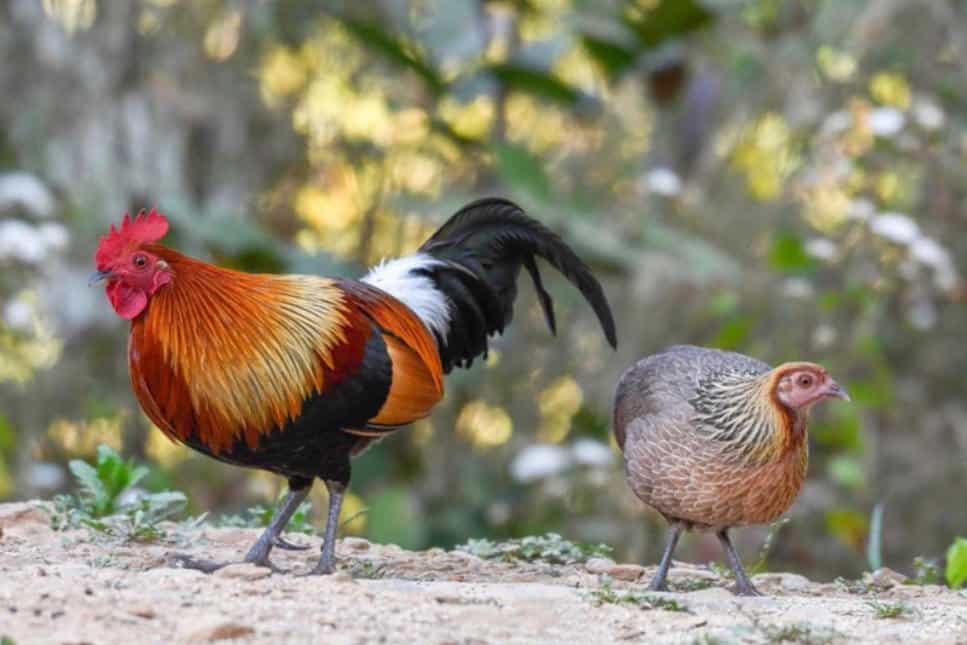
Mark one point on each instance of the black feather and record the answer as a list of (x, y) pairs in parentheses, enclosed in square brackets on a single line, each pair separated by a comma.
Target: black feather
[(482, 249)]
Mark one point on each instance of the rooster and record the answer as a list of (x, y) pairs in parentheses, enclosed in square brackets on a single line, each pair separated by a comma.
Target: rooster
[(715, 439), (296, 374)]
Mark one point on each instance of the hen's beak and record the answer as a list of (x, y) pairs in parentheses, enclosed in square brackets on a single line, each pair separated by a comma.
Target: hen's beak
[(835, 390), (98, 276)]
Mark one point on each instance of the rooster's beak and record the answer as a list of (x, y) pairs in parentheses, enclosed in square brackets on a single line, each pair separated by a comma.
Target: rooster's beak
[(835, 390), (98, 276)]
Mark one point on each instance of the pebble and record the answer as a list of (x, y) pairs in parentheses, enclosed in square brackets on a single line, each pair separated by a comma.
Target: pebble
[(217, 630), (884, 578), (142, 611), (629, 572), (355, 544), (243, 571), (598, 565)]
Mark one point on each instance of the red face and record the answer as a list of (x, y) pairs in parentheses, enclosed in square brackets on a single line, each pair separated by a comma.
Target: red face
[(803, 386), (132, 279)]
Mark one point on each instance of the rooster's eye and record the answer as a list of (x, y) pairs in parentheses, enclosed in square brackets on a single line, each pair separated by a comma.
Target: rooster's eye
[(805, 381), (140, 261)]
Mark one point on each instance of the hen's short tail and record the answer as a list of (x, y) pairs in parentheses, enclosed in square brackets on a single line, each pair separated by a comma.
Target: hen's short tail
[(463, 280)]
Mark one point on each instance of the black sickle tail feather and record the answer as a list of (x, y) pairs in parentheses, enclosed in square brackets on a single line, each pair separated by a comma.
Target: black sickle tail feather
[(480, 252)]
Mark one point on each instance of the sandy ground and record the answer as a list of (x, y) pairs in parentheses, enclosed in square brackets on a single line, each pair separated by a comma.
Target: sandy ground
[(72, 587)]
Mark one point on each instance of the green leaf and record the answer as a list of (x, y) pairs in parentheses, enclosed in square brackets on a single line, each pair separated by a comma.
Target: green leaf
[(92, 488), (733, 333), (957, 563), (522, 78), (522, 170), (671, 19), (396, 50), (787, 253), (613, 58), (846, 471)]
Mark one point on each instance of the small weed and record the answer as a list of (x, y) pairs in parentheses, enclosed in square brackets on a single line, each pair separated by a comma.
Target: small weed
[(890, 609), (367, 570), (259, 516), (856, 587), (721, 570), (774, 529), (606, 594), (691, 584), (109, 502), (6, 640), (803, 633), (550, 548), (926, 571)]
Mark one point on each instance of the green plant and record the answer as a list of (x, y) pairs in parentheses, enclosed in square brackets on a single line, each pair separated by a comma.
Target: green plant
[(774, 529), (956, 572), (260, 515), (857, 587), (6, 640), (890, 609), (606, 594), (927, 571), (550, 548), (874, 542), (108, 502)]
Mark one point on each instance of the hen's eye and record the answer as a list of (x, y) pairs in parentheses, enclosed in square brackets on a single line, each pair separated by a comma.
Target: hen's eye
[(140, 261), (805, 381)]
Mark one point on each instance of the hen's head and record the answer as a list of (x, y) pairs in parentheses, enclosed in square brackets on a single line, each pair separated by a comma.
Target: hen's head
[(799, 385), (133, 273)]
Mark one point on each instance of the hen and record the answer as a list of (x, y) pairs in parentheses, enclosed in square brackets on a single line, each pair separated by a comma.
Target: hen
[(296, 374), (714, 439)]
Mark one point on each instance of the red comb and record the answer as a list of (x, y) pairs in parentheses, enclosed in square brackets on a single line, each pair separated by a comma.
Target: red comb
[(146, 227)]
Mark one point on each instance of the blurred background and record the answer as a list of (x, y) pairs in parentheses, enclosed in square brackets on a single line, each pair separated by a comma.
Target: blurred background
[(786, 178)]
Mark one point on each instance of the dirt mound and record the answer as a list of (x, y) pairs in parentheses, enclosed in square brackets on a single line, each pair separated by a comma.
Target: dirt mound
[(74, 587)]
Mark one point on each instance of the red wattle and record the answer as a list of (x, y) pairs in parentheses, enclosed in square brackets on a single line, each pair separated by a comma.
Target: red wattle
[(127, 301)]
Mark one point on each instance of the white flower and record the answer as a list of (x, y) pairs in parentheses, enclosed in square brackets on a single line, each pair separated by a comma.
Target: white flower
[(821, 248), (589, 452), (539, 461), (797, 288), (860, 210), (928, 114), (18, 314), (26, 243), (54, 235), (886, 121), (896, 227), (664, 182), (929, 252), (26, 191)]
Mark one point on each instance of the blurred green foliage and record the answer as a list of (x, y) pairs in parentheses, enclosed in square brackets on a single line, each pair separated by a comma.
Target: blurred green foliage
[(779, 177)]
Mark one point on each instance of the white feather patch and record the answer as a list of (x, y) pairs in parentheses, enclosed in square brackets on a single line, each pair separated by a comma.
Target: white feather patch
[(397, 278)]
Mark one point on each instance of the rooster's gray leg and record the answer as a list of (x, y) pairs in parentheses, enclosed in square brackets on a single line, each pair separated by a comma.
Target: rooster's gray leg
[(743, 586), (658, 582), (271, 536), (327, 560)]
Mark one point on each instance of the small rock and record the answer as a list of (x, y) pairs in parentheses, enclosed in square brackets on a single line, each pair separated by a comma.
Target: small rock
[(629, 572), (22, 513), (142, 611), (217, 631), (341, 577), (598, 565), (355, 544), (243, 571), (786, 581), (884, 578)]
